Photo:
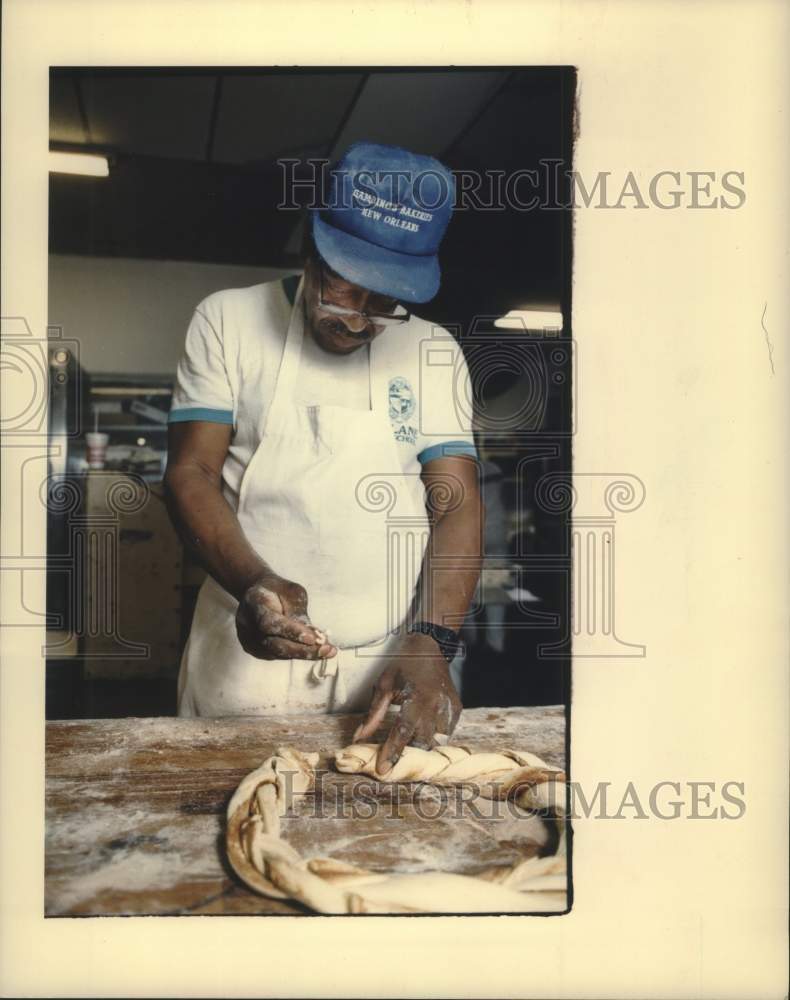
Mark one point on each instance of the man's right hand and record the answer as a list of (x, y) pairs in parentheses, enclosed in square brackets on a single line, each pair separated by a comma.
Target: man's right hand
[(272, 622)]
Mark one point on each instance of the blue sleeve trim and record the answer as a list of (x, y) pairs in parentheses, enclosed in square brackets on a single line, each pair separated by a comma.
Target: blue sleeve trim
[(200, 413), (446, 450)]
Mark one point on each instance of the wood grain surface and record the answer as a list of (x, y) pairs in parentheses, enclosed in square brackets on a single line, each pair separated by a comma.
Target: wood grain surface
[(135, 809)]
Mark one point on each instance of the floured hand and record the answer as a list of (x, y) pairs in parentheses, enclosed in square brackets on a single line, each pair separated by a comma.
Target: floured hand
[(418, 679), (272, 622)]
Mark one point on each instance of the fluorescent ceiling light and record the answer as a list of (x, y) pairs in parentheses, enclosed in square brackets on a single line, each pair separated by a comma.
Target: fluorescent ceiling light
[(530, 319), (88, 164)]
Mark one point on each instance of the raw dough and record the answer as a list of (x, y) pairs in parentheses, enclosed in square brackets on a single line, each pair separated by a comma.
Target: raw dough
[(270, 866)]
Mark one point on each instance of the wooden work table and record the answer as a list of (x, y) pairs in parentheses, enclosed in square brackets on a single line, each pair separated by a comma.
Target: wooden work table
[(135, 809)]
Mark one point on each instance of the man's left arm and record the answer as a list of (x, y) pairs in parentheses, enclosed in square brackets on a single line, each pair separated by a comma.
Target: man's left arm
[(451, 566), (418, 677)]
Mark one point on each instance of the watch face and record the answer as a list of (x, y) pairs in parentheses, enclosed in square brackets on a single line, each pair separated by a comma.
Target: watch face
[(452, 649)]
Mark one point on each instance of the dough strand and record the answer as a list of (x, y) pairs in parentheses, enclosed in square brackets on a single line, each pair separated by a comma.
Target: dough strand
[(269, 865)]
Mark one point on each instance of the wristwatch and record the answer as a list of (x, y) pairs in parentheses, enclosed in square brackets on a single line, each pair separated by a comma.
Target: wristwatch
[(450, 643)]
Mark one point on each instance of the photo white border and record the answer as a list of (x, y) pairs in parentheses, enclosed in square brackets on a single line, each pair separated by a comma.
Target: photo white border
[(674, 313)]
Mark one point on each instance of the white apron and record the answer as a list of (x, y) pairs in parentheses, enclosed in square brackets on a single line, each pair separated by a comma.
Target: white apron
[(299, 510)]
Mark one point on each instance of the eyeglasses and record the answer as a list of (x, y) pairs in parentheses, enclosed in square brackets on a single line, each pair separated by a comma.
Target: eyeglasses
[(398, 315)]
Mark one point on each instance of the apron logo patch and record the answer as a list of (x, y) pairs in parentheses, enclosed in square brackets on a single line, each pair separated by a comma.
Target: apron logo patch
[(407, 435), (401, 397)]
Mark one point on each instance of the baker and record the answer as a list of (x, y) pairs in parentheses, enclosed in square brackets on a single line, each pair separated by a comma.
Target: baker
[(340, 525)]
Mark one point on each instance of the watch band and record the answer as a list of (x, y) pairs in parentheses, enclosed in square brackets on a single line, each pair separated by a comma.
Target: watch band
[(450, 643)]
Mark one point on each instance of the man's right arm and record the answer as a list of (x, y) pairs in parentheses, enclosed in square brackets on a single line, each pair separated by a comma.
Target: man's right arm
[(272, 621)]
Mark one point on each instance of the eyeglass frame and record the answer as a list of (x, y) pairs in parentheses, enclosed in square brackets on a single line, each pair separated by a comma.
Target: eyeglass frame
[(382, 319)]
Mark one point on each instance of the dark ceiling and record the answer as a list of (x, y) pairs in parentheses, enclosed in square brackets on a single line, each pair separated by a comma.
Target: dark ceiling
[(194, 173), (244, 117)]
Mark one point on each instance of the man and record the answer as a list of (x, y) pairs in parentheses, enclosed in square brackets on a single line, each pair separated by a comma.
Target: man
[(296, 415)]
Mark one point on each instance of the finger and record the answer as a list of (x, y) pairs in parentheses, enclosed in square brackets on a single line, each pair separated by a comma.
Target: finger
[(448, 716), (274, 648), (444, 716), (414, 716), (426, 715), (378, 709), (327, 648), (395, 743), (271, 623), (455, 714), (424, 731), (281, 649)]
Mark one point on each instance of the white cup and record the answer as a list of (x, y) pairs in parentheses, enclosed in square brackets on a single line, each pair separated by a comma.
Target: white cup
[(97, 449)]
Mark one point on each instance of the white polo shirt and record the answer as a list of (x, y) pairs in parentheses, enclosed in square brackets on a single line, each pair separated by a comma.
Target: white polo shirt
[(232, 354)]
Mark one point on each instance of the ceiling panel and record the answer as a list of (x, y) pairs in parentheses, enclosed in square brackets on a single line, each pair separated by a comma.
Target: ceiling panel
[(516, 127), (263, 117), (422, 112), (65, 123), (156, 115)]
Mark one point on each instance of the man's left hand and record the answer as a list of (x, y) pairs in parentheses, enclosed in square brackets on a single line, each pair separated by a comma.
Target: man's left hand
[(418, 679)]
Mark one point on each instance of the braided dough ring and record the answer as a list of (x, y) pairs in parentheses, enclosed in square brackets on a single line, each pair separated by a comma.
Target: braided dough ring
[(270, 866)]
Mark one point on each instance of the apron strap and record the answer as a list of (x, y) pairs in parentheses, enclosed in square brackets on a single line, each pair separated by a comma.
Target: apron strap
[(289, 361), (324, 669), (292, 352)]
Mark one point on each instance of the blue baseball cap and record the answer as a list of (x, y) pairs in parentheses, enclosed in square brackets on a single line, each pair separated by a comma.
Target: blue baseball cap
[(386, 213)]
